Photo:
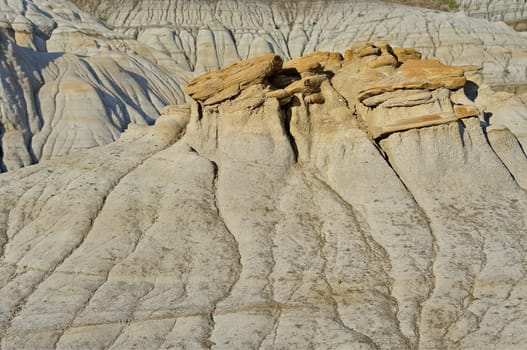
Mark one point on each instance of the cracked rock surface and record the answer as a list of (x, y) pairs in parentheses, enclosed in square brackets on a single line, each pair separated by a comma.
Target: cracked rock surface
[(274, 217), (513, 13)]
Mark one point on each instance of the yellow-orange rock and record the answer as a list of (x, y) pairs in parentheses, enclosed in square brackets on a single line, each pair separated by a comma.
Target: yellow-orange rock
[(389, 90), (394, 90), (214, 87), (427, 74), (413, 123), (307, 85), (317, 61), (463, 111), (405, 54), (383, 60)]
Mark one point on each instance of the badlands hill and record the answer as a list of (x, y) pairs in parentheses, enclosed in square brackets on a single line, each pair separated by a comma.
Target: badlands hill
[(513, 13), (206, 35), (69, 82), (324, 202), (330, 191)]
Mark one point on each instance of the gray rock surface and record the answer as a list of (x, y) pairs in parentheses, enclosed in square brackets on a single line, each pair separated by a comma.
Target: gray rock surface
[(269, 211), (292, 28), (72, 83), (68, 83), (513, 13), (251, 223)]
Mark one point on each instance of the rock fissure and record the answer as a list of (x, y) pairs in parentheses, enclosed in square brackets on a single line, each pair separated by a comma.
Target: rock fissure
[(286, 120), (48, 273), (318, 227), (435, 248), (116, 337), (112, 183), (503, 162), (107, 274), (373, 248), (207, 341), (164, 343)]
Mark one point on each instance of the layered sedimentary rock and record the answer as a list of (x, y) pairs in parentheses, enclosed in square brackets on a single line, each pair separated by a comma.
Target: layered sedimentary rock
[(269, 218), (391, 95), (69, 82)]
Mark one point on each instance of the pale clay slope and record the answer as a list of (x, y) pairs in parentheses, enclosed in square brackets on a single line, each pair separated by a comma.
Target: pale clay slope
[(71, 83), (267, 217), (207, 35), (258, 223), (512, 12), (68, 83)]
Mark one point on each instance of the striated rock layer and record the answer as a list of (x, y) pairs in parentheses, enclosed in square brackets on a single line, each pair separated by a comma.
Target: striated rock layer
[(68, 83), (206, 35), (276, 217)]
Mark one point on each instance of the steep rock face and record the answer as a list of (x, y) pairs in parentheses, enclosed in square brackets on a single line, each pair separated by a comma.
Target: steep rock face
[(269, 219), (68, 83)]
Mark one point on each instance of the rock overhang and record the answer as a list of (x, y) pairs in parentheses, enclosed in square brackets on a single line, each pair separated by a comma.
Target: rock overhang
[(389, 89)]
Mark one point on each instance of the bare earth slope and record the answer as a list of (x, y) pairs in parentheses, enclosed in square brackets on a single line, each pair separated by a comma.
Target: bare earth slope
[(513, 13), (208, 35), (370, 198), (280, 211), (70, 83)]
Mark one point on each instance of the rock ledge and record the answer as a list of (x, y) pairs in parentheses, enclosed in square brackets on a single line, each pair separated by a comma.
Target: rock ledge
[(389, 89)]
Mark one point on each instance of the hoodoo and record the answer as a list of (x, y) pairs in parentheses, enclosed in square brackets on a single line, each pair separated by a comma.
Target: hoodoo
[(261, 174), (328, 201)]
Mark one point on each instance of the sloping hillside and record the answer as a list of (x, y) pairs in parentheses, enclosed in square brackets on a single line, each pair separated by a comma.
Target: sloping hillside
[(268, 215), (71, 83)]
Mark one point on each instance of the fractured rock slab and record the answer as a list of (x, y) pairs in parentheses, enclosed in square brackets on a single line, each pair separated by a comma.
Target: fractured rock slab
[(392, 95), (215, 87)]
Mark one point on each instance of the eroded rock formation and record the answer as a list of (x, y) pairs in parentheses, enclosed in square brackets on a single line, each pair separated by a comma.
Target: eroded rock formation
[(206, 35), (513, 13), (268, 218), (386, 92), (70, 82)]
